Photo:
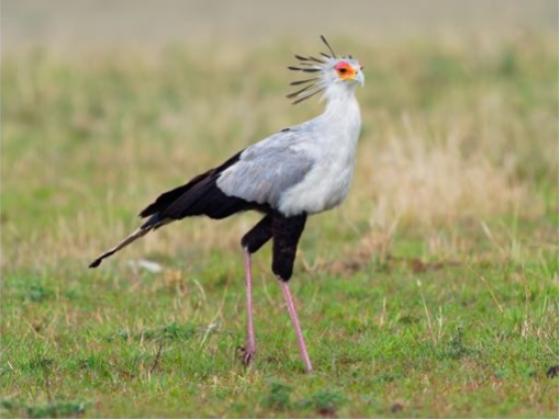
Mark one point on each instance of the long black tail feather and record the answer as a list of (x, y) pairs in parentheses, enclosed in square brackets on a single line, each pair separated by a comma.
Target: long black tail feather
[(138, 233), (200, 196)]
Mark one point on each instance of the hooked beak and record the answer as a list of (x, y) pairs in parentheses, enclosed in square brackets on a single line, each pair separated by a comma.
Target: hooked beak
[(360, 77)]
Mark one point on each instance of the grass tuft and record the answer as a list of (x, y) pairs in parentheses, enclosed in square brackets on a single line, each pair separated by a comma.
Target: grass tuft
[(278, 397)]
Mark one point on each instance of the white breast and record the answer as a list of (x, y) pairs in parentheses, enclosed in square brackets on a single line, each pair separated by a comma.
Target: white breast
[(328, 182)]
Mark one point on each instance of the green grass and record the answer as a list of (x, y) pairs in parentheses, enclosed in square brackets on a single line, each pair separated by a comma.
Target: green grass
[(432, 292)]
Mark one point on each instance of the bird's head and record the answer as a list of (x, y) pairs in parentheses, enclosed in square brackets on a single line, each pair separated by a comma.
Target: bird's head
[(329, 70)]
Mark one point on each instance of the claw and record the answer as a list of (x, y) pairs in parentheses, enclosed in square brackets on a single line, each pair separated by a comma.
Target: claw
[(246, 354)]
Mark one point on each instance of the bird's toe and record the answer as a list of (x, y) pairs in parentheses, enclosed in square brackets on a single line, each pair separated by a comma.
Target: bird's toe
[(247, 354)]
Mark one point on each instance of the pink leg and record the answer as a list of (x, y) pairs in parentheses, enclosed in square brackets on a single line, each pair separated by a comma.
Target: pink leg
[(295, 322), (250, 346)]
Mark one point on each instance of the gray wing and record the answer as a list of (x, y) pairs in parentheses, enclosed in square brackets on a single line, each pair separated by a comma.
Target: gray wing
[(267, 169)]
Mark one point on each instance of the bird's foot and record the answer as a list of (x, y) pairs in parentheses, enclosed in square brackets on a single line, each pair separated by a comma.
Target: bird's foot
[(247, 354)]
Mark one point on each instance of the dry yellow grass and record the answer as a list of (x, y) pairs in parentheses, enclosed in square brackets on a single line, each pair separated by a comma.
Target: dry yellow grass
[(452, 135)]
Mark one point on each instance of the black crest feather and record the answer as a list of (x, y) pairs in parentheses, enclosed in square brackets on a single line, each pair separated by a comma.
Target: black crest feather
[(328, 46), (310, 64)]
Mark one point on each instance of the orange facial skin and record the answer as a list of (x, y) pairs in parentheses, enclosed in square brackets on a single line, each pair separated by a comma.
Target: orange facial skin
[(344, 70)]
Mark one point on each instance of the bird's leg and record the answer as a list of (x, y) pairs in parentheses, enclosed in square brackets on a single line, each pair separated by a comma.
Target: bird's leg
[(250, 345), (287, 231), (251, 242), (295, 322)]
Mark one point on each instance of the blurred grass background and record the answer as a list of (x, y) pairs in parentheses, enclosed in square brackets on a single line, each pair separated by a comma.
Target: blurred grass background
[(433, 291)]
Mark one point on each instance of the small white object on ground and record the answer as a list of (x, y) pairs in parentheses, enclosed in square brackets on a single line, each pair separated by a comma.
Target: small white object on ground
[(151, 266)]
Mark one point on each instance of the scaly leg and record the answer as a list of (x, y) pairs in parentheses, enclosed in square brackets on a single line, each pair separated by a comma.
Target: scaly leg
[(295, 322), (250, 346)]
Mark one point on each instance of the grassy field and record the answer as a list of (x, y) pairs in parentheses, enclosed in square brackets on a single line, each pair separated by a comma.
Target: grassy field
[(433, 291)]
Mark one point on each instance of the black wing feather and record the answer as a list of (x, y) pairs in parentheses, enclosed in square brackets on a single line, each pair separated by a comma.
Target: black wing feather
[(172, 203)]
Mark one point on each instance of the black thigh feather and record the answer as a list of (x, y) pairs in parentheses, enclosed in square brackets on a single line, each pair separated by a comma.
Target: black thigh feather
[(286, 232)]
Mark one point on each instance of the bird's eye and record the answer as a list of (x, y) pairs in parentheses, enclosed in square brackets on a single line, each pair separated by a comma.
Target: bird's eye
[(344, 70)]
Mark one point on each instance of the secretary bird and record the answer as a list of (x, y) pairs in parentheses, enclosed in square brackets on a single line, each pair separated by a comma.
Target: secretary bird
[(296, 172)]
